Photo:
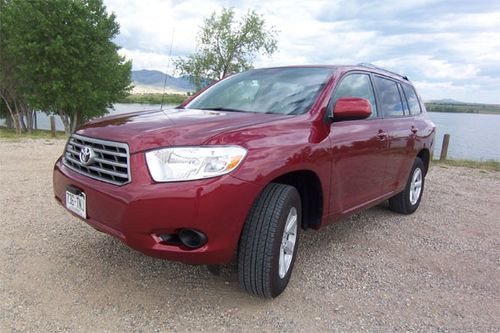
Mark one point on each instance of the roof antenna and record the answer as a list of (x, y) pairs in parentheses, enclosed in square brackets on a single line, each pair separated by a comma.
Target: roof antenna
[(168, 68)]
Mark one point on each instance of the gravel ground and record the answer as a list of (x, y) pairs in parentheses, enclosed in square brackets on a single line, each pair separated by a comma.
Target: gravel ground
[(436, 270)]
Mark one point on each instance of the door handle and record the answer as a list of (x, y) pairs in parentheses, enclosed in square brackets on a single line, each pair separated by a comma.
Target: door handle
[(414, 129), (382, 135)]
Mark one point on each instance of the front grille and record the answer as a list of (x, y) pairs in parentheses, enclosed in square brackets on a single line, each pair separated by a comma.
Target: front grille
[(110, 160)]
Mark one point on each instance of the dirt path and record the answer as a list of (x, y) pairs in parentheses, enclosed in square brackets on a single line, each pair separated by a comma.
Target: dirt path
[(436, 270)]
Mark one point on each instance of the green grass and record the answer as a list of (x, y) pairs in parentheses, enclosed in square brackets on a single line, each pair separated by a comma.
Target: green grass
[(9, 133), (154, 98), (485, 165)]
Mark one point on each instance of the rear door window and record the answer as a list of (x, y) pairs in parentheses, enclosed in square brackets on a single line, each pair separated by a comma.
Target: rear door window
[(390, 100), (412, 99), (356, 85)]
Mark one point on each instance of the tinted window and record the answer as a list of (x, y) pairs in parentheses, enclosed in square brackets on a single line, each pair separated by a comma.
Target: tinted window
[(274, 90), (412, 99), (356, 85), (390, 100)]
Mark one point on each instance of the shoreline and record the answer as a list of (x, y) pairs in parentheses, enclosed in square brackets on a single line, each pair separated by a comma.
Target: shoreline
[(465, 112), (9, 135)]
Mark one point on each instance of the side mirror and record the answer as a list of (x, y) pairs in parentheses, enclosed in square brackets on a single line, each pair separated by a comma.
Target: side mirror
[(350, 108)]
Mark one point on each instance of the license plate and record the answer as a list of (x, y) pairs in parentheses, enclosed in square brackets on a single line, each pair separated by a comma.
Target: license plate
[(77, 203)]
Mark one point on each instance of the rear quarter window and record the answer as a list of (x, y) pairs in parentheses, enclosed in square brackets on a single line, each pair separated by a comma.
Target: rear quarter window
[(411, 97)]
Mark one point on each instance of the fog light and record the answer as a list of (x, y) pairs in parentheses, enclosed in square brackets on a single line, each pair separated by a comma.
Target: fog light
[(192, 238)]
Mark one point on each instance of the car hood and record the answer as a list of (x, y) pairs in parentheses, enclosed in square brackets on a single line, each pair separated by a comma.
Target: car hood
[(173, 127)]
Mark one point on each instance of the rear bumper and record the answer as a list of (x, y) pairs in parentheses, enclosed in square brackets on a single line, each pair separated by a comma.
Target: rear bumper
[(137, 212)]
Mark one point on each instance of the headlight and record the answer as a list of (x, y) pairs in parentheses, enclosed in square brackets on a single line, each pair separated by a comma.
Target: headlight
[(188, 163)]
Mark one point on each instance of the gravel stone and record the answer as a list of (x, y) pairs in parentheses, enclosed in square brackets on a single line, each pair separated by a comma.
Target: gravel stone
[(436, 270)]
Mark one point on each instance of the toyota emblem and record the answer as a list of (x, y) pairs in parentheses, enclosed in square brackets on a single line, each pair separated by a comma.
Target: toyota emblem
[(87, 155)]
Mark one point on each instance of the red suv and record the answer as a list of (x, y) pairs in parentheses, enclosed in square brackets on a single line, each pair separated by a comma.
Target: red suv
[(239, 169)]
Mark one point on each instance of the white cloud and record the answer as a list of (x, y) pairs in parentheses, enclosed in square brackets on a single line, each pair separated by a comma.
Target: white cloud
[(148, 25), (430, 68), (466, 92), (449, 48), (148, 60)]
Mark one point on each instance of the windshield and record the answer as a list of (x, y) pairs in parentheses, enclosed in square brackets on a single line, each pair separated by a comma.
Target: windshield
[(273, 90)]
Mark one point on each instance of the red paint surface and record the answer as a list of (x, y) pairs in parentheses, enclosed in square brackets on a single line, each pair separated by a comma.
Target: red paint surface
[(352, 108)]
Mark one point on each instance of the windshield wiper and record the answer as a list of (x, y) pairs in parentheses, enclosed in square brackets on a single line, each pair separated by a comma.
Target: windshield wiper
[(225, 109)]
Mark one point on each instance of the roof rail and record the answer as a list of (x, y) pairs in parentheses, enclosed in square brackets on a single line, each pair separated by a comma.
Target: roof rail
[(368, 65)]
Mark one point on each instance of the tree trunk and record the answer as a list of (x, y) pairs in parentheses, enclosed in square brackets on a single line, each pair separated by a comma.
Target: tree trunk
[(66, 122), (29, 117), (27, 113), (74, 122), (20, 117), (17, 121), (12, 115)]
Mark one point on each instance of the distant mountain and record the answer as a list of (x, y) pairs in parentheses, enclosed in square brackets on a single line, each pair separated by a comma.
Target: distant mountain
[(445, 101), (156, 79)]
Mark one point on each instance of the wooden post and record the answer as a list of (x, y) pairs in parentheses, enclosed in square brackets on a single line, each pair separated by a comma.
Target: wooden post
[(53, 126), (444, 148)]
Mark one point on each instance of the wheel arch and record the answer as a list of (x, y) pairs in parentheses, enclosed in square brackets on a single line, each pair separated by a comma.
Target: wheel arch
[(425, 156), (308, 184)]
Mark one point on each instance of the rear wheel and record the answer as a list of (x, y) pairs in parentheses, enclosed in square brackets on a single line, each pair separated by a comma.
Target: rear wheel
[(408, 201), (269, 241)]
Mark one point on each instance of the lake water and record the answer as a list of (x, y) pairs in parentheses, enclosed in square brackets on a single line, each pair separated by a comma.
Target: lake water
[(473, 136), (43, 120)]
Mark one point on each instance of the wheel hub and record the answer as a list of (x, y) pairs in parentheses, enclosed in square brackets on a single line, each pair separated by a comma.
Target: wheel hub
[(416, 186), (288, 242)]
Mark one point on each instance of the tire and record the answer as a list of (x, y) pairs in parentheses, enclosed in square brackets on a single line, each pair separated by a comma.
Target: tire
[(260, 246), (405, 202)]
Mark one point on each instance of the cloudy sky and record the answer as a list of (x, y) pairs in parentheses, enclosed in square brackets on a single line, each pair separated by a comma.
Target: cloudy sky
[(449, 49)]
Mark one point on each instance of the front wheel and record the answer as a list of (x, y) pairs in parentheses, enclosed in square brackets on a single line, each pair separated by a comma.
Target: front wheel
[(408, 201), (269, 241)]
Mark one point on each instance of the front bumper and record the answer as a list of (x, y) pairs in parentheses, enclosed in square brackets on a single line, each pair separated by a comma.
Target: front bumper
[(136, 213)]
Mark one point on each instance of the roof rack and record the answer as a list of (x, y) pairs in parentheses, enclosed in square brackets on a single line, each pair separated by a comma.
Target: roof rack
[(368, 65)]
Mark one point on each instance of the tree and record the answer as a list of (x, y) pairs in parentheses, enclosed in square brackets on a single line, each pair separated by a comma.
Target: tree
[(8, 83), (226, 47), (8, 96), (11, 100), (61, 57)]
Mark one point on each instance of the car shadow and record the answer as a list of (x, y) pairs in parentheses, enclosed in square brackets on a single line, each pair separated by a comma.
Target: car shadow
[(133, 270)]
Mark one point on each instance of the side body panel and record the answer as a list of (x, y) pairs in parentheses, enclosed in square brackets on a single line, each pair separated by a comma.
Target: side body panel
[(359, 162), (401, 152)]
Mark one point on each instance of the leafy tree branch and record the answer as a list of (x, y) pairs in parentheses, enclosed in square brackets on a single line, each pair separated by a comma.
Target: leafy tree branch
[(226, 46)]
